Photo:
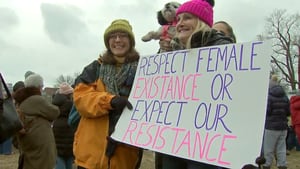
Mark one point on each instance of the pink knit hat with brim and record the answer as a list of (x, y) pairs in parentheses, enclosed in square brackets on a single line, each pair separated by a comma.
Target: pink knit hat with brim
[(200, 8), (65, 88)]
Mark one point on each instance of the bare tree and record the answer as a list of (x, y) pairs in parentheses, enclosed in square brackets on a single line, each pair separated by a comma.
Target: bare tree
[(66, 78), (283, 29)]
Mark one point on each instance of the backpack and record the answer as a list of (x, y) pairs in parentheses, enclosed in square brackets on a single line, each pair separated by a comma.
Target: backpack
[(74, 118)]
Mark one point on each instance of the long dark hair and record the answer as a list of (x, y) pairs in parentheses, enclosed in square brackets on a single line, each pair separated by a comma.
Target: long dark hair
[(230, 30)]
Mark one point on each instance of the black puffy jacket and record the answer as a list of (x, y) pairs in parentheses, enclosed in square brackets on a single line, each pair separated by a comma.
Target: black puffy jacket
[(64, 135), (278, 109)]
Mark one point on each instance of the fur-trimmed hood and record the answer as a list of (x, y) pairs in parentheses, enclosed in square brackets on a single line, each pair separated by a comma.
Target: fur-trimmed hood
[(209, 38), (24, 93)]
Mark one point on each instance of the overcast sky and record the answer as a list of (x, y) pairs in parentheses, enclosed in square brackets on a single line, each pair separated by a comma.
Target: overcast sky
[(60, 37)]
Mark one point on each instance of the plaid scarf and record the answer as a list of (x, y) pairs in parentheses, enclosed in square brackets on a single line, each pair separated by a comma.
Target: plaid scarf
[(118, 81)]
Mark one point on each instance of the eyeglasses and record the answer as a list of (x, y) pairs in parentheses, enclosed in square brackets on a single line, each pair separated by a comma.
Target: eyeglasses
[(114, 36)]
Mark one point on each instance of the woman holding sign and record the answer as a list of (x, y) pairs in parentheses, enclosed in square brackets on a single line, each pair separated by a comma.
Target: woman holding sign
[(194, 29)]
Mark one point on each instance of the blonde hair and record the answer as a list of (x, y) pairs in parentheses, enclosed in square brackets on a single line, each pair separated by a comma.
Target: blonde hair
[(201, 26)]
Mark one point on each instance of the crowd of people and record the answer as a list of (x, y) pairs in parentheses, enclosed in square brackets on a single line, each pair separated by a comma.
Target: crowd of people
[(100, 94)]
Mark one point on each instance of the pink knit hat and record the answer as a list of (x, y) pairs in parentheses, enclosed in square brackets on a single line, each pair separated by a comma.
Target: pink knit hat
[(65, 88), (200, 8)]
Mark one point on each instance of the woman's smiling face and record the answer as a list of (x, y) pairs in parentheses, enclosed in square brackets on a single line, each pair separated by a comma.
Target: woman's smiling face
[(186, 25), (119, 43)]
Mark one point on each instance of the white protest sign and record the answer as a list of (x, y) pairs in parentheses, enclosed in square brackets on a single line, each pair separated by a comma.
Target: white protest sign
[(205, 104)]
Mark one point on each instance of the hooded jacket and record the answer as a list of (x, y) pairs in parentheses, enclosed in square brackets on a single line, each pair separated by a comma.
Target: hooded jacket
[(295, 114), (202, 39), (37, 144), (63, 133), (209, 38), (278, 108), (91, 138)]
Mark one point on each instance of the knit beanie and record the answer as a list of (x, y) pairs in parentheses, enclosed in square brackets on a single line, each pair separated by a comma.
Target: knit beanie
[(119, 25), (200, 8), (28, 73), (34, 80), (65, 88), (18, 85)]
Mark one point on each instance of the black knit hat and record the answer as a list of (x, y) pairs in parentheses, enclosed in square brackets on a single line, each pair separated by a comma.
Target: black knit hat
[(18, 85)]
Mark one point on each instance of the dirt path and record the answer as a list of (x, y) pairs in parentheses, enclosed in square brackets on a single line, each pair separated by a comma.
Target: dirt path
[(11, 161)]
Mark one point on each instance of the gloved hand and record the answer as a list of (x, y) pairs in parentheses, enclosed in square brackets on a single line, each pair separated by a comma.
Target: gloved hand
[(118, 103), (259, 161), (249, 166)]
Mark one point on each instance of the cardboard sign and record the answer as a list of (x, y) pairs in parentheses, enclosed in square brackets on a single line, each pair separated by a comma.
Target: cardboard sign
[(206, 104)]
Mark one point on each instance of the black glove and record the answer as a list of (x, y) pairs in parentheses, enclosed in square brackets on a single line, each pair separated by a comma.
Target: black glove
[(118, 103), (249, 166), (259, 161)]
